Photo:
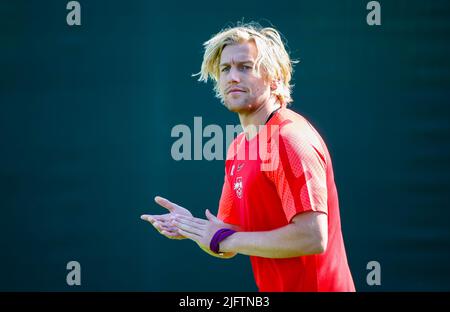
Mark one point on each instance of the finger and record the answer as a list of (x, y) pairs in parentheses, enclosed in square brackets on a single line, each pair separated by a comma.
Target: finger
[(163, 220), (169, 228), (164, 226), (148, 218), (157, 226), (191, 223), (165, 203), (188, 228), (191, 236), (168, 204), (154, 218), (192, 219), (171, 234), (210, 216)]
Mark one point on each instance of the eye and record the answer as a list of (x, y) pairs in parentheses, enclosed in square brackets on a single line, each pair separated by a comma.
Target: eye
[(225, 69), (246, 67)]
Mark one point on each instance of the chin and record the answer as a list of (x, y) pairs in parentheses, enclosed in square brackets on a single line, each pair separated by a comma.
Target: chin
[(238, 107)]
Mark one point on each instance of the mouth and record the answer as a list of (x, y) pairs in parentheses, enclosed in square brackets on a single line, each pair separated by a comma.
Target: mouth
[(235, 91)]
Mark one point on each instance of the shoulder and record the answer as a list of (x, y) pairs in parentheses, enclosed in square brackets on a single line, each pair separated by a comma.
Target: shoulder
[(297, 130), (298, 137)]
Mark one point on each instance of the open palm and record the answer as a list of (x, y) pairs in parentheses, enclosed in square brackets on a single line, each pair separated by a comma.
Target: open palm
[(163, 222)]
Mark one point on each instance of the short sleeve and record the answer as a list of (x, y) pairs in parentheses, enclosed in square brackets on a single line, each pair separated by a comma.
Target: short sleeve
[(299, 176), (226, 205)]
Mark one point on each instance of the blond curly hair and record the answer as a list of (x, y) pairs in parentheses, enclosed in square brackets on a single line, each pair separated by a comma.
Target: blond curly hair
[(272, 57)]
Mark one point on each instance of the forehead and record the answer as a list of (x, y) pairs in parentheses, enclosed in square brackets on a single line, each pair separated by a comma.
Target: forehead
[(240, 52)]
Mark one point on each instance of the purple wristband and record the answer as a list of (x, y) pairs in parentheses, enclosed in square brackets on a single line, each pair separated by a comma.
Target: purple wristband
[(218, 237)]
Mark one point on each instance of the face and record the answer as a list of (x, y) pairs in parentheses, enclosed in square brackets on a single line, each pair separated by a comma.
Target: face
[(243, 91)]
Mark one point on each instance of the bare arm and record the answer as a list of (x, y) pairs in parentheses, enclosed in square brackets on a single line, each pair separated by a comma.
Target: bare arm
[(307, 234), (222, 255), (197, 223)]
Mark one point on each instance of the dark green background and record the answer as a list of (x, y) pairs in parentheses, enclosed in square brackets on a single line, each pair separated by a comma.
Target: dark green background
[(86, 115)]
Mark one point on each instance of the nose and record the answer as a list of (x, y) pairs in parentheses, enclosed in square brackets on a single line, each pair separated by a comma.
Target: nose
[(233, 75)]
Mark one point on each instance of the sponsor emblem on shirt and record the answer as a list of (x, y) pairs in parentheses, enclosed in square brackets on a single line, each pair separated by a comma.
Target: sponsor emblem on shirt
[(239, 167), (232, 171), (238, 187)]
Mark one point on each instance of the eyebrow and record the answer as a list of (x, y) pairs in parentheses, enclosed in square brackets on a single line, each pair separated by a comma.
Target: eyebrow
[(239, 63)]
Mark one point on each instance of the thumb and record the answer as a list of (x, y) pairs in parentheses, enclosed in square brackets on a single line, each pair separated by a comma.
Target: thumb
[(165, 203), (210, 216)]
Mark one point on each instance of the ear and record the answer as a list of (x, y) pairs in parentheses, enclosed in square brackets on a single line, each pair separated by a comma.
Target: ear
[(273, 85)]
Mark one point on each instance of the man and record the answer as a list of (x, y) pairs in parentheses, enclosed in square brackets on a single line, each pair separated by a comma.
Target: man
[(280, 208)]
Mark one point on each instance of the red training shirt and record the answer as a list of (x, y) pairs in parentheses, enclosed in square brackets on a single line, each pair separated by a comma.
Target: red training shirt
[(292, 173)]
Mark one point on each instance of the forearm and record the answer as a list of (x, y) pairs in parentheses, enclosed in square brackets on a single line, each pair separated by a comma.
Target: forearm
[(222, 255), (305, 235), (286, 242)]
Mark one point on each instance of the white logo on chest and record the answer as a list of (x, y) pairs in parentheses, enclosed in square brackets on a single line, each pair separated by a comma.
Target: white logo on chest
[(238, 187)]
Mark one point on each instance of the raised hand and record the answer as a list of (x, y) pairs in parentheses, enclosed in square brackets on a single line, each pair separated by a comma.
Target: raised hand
[(163, 222), (199, 230)]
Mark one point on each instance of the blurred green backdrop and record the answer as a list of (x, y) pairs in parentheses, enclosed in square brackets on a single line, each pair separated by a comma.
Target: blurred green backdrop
[(87, 112)]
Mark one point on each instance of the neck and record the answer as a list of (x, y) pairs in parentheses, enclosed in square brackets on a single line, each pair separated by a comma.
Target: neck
[(251, 122)]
